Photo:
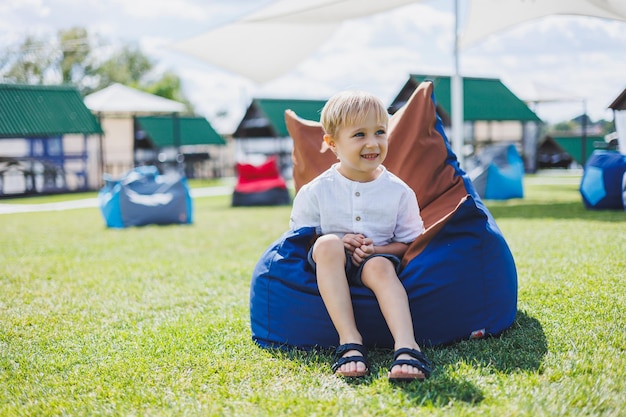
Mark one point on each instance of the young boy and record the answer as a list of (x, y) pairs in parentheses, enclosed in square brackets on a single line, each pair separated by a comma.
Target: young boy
[(366, 217)]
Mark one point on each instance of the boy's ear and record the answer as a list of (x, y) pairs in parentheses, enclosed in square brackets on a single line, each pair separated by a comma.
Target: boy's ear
[(328, 140), (328, 143)]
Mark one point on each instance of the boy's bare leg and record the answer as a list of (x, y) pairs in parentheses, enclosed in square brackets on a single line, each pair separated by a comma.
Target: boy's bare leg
[(379, 275), (329, 257)]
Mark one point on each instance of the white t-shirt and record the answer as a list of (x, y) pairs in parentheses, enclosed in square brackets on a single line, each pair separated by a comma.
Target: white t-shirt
[(384, 210)]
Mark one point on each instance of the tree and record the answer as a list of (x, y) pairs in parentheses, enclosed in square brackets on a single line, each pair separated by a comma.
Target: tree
[(169, 86), (28, 62), (75, 50), (564, 126), (73, 57), (128, 66)]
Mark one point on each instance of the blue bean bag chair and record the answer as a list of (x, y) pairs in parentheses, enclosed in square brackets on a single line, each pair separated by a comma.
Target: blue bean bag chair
[(601, 186), (497, 172), (143, 196), (460, 275)]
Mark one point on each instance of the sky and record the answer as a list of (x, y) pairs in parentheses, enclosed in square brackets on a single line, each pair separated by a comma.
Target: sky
[(581, 58)]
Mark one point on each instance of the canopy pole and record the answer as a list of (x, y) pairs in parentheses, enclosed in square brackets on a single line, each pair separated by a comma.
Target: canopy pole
[(457, 95), (583, 134)]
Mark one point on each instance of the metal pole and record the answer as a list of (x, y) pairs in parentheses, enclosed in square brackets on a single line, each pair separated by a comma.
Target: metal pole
[(179, 159), (583, 134), (101, 153), (457, 94)]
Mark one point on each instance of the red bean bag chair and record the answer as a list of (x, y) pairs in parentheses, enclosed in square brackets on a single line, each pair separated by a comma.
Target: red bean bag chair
[(260, 185)]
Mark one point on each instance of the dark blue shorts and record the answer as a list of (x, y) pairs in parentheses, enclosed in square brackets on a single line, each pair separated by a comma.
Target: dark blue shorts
[(353, 273)]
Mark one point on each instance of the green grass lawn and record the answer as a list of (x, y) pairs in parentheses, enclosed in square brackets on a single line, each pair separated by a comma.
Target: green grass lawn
[(155, 321)]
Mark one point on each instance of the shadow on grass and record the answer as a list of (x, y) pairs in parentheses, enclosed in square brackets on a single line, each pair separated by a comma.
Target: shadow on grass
[(520, 209), (521, 348)]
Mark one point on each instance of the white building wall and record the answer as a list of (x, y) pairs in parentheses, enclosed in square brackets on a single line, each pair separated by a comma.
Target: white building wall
[(117, 145)]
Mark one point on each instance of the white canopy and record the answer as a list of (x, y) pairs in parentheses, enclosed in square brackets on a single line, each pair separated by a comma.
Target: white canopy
[(271, 42), (258, 50), (486, 17), (118, 98), (274, 40)]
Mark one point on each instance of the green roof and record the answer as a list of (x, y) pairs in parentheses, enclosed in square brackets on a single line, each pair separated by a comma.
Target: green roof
[(484, 99), (30, 111), (179, 131), (573, 145), (274, 109), (273, 113)]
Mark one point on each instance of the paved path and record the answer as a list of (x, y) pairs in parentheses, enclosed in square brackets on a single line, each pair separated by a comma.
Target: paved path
[(93, 202)]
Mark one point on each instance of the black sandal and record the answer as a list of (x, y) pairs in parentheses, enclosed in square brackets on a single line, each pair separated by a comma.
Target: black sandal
[(420, 362), (339, 360)]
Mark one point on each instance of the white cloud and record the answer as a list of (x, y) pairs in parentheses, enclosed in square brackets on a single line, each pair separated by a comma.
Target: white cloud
[(13, 12), (34, 7), (579, 55), (152, 9)]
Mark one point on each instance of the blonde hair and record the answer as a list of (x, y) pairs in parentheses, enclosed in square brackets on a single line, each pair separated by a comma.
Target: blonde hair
[(348, 108)]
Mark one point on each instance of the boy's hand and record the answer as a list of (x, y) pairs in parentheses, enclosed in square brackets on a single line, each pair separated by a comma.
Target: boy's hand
[(366, 249), (358, 246), (352, 242)]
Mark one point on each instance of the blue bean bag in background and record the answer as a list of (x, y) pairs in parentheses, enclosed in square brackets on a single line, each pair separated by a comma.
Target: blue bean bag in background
[(460, 275), (497, 172), (601, 186), (143, 196)]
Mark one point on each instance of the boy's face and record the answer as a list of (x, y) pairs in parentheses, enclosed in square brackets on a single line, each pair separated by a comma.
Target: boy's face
[(360, 148)]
